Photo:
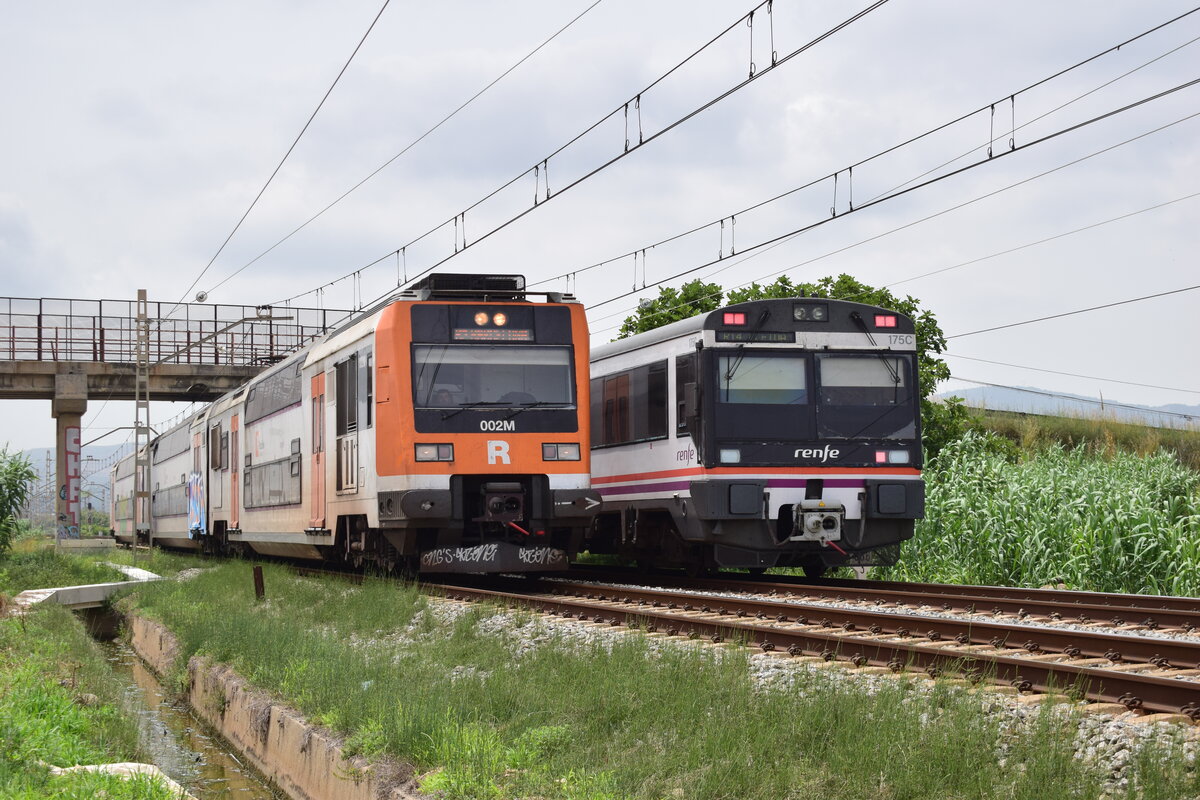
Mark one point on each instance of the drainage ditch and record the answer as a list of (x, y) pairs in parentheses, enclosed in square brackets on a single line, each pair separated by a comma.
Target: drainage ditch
[(175, 740)]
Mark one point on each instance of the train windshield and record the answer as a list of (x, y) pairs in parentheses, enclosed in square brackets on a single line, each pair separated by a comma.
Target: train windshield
[(867, 396), (762, 380), (461, 375)]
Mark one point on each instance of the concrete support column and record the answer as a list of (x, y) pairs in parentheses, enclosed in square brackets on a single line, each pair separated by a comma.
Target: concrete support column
[(67, 408)]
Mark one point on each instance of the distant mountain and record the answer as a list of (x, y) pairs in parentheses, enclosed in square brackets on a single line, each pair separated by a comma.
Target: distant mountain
[(1030, 400)]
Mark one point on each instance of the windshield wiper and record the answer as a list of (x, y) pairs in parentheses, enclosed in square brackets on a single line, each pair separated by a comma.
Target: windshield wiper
[(741, 356), (535, 404), (887, 361), (464, 406)]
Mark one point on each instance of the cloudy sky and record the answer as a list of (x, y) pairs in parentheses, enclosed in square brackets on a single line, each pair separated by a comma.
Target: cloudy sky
[(136, 134)]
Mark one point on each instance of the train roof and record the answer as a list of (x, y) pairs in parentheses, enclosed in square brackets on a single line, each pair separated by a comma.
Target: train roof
[(710, 319)]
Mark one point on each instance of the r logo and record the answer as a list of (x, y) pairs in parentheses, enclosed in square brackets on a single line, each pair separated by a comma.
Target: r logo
[(497, 452)]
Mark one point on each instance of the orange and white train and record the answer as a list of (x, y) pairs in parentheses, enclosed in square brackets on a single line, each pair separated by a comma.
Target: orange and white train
[(446, 430)]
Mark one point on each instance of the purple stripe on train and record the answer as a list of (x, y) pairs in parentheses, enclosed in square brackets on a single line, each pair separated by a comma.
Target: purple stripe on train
[(779, 483)]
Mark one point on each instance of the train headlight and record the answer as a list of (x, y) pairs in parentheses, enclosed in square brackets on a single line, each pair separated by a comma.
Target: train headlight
[(435, 452), (731, 456), (560, 452), (500, 320), (891, 457), (481, 318), (810, 312)]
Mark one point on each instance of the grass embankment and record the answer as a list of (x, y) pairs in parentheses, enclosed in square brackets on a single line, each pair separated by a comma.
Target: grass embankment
[(1091, 518), (44, 568), (480, 715), (159, 561), (60, 705), (1032, 432)]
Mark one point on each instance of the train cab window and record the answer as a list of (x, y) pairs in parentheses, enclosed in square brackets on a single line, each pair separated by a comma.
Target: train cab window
[(866, 396), (863, 380), (455, 376), (762, 380)]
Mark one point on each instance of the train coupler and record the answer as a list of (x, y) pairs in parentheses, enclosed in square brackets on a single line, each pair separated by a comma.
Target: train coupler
[(817, 521)]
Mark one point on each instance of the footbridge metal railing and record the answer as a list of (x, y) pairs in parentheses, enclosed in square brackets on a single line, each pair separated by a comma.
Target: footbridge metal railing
[(60, 329)]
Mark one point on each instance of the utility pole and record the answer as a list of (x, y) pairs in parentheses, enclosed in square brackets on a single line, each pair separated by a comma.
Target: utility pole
[(141, 424)]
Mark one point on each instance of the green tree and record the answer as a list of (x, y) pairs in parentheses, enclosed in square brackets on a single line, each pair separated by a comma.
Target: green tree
[(671, 305), (941, 422), (16, 482)]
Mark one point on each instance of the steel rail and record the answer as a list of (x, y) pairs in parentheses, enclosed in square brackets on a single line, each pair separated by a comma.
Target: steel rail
[(1086, 607), (1104, 684), (1114, 647)]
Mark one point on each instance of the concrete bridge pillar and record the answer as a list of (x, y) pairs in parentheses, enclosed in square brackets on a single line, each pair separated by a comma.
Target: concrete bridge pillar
[(67, 408)]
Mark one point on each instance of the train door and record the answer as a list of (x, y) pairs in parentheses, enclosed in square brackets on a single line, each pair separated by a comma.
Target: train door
[(346, 387), (317, 482), (235, 463)]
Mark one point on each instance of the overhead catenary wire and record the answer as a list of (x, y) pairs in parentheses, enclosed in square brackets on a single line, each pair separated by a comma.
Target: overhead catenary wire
[(642, 141), (406, 148), (1114, 304), (905, 226), (1071, 374), (939, 178), (279, 166), (911, 140)]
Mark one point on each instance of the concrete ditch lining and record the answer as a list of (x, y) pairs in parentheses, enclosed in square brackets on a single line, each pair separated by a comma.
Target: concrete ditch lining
[(304, 760)]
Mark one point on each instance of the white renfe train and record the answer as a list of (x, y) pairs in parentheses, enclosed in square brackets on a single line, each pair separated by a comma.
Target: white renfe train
[(768, 433)]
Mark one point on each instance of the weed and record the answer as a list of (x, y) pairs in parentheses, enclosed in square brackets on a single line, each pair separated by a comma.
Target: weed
[(479, 717)]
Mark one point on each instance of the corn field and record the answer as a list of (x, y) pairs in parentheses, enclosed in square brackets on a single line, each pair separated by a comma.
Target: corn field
[(1094, 520)]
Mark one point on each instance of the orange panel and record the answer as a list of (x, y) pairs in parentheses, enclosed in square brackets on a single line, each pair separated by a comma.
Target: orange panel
[(395, 436)]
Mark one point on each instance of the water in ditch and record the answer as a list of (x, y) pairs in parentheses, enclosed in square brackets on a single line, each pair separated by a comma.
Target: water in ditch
[(177, 741)]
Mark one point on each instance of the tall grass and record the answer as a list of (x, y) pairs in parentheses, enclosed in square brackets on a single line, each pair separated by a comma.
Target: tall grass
[(1092, 518), (1031, 432), (479, 715), (44, 568), (47, 663)]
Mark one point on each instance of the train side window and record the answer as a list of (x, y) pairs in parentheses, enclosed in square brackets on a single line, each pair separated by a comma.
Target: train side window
[(648, 402), (224, 450), (631, 406), (616, 409), (596, 390), (685, 373), (370, 382), (346, 388), (214, 447), (656, 399)]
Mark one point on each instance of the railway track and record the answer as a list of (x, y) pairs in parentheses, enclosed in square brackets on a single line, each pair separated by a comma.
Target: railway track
[(1123, 612), (1150, 674), (1103, 662)]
